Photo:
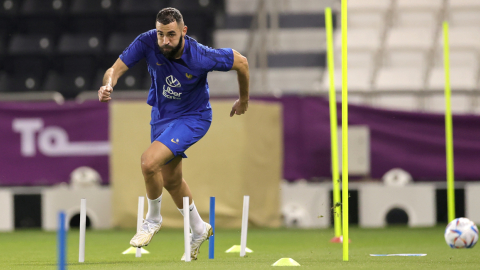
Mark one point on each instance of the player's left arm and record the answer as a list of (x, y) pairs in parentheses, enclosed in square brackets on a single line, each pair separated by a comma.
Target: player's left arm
[(240, 64)]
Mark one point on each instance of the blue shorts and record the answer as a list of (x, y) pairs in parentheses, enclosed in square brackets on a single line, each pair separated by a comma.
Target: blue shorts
[(181, 133)]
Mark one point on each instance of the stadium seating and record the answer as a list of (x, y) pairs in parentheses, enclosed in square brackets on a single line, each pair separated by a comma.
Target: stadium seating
[(93, 7), (133, 7), (30, 45), (358, 79), (80, 44), (117, 42), (131, 80), (53, 32), (44, 8), (461, 103), (10, 8), (393, 45), (50, 26), (399, 78), (22, 82), (461, 78)]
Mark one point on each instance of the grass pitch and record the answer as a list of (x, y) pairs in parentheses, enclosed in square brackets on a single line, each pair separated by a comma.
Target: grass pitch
[(35, 249)]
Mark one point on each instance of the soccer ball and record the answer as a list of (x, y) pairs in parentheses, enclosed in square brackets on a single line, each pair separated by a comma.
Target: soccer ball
[(461, 233), (85, 177), (295, 215)]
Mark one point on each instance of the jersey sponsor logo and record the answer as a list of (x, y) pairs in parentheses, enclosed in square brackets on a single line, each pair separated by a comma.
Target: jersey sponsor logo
[(189, 76), (168, 92), (172, 81)]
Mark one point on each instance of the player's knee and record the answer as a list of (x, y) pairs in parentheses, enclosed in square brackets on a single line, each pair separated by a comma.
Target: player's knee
[(149, 165), (171, 184)]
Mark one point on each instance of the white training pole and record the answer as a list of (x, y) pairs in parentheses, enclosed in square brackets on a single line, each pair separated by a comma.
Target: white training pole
[(83, 220), (243, 240), (141, 200), (186, 227)]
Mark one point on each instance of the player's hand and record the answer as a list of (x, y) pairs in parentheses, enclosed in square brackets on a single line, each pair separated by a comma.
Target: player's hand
[(239, 107), (104, 93)]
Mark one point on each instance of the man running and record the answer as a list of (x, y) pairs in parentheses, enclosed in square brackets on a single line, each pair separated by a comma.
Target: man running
[(181, 112)]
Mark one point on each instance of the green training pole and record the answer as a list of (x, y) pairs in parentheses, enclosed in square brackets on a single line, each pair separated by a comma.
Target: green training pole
[(448, 127), (344, 132), (333, 125)]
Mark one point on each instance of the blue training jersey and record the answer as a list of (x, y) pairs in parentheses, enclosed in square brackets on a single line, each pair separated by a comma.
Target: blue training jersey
[(179, 86)]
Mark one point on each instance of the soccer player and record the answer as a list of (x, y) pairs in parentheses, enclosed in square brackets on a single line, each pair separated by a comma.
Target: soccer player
[(181, 112)]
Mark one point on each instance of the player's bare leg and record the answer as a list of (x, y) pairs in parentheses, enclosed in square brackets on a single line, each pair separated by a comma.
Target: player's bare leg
[(152, 162), (178, 188), (174, 183)]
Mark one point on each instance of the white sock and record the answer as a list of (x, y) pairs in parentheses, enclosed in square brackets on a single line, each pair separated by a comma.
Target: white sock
[(153, 214), (196, 223)]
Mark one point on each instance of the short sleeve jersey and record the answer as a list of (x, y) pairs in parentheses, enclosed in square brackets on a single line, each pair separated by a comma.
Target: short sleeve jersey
[(179, 86)]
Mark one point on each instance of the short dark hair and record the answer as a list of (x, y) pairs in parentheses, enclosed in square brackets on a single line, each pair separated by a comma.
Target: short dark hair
[(169, 15)]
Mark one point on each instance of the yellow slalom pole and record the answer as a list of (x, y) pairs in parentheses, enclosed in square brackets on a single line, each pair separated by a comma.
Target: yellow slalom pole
[(344, 131), (448, 127), (333, 125)]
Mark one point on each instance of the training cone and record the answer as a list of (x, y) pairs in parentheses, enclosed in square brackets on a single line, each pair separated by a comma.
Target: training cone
[(339, 239), (133, 250), (286, 262), (236, 249)]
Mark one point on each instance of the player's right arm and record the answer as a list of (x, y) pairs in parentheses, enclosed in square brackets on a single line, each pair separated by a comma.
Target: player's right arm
[(110, 80)]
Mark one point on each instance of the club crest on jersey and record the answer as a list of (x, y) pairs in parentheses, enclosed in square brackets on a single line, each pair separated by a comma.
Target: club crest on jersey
[(172, 81), (189, 76)]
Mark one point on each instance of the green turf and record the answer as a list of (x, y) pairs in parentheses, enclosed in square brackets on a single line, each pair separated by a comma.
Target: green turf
[(33, 249)]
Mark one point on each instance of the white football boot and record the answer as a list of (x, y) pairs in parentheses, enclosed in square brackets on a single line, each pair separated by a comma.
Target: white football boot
[(144, 236), (197, 242)]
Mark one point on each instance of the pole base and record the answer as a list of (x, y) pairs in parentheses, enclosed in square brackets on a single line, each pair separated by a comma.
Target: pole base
[(338, 239)]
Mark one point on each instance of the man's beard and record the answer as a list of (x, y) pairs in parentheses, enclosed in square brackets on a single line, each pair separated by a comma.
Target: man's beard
[(174, 51)]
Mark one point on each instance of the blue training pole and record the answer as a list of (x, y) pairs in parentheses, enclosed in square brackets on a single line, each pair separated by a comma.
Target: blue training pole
[(62, 253), (211, 240)]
